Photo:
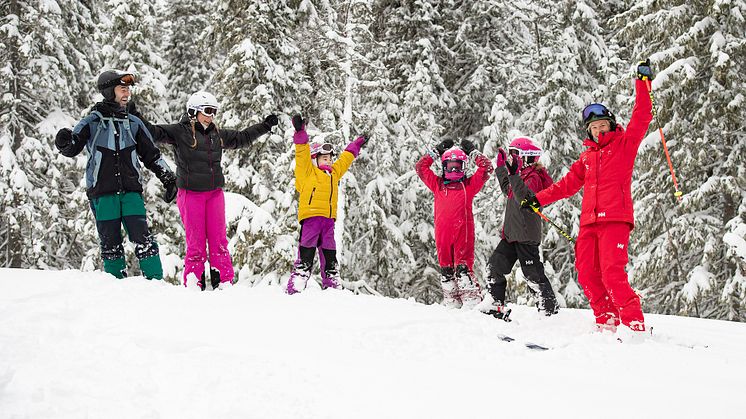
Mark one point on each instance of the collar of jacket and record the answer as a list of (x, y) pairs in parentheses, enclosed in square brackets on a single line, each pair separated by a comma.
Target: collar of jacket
[(604, 139), (185, 120), (449, 182), (110, 109)]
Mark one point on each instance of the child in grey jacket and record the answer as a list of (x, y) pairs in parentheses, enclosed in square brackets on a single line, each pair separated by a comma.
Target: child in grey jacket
[(520, 175)]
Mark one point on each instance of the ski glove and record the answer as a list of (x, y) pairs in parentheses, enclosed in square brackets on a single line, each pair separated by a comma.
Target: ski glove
[(514, 164), (270, 121), (531, 203), (467, 146), (355, 146), (644, 71), (64, 138), (299, 123), (501, 157), (168, 179), (482, 161), (443, 146)]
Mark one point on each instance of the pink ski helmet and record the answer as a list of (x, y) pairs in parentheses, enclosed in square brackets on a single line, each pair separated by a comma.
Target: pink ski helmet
[(321, 148), (454, 163), (525, 148)]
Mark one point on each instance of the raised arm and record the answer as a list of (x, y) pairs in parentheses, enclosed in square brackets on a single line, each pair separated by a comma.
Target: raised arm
[(501, 171), (237, 139), (340, 167), (642, 112), (480, 177)]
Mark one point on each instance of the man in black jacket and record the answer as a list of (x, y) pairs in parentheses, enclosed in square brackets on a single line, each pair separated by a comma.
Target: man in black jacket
[(115, 140)]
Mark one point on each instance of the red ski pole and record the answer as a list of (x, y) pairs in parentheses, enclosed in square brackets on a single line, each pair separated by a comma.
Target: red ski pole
[(677, 193)]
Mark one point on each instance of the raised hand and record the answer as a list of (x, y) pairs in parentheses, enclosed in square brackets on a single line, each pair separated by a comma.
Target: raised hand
[(644, 71)]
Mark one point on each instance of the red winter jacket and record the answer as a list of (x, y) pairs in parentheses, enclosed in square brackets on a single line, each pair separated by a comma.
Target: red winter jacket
[(604, 170), (453, 201)]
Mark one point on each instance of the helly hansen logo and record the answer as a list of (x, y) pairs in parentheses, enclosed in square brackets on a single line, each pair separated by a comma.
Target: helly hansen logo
[(602, 214), (620, 245), (529, 262)]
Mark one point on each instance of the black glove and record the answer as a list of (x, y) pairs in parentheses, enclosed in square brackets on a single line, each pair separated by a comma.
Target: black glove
[(443, 146), (299, 123), (168, 179), (467, 146), (513, 163), (531, 203), (270, 121), (644, 71), (64, 138)]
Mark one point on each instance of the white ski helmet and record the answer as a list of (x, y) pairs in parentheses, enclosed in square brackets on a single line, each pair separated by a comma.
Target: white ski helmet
[(201, 102)]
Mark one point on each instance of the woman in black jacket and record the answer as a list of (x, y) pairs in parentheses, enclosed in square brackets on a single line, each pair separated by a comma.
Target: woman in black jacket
[(198, 146)]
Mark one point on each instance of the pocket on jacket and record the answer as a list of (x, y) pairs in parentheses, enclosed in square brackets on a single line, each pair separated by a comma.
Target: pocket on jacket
[(311, 197)]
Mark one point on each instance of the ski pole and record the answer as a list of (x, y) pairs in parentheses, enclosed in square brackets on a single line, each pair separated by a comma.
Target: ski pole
[(677, 193), (567, 236)]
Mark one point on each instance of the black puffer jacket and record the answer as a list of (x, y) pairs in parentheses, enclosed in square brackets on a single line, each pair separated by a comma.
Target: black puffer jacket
[(199, 150)]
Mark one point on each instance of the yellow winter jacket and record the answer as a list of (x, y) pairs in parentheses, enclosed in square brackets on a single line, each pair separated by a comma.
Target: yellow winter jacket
[(318, 189)]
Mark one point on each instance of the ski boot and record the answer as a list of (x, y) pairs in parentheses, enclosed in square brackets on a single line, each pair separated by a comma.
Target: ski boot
[(298, 279), (331, 280), (451, 295), (214, 278), (547, 303), (469, 289), (499, 311), (607, 322)]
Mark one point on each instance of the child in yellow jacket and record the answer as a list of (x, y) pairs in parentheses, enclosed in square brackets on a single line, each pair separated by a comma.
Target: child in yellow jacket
[(317, 178)]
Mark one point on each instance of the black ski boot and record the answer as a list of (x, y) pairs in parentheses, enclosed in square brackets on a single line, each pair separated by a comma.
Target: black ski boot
[(214, 278)]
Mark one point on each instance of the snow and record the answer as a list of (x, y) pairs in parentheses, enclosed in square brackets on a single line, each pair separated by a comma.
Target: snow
[(76, 344)]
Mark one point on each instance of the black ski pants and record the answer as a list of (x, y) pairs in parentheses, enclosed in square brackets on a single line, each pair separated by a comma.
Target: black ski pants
[(501, 263)]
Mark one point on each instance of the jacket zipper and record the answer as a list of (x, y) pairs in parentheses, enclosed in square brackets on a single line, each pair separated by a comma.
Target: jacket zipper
[(311, 198), (331, 194), (209, 158)]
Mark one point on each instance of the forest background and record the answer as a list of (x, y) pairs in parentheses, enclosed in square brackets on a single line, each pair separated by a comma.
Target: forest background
[(408, 74)]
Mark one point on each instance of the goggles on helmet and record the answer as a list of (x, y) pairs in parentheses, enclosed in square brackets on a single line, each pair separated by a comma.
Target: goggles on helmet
[(208, 110), (325, 148), (515, 151), (127, 80), (596, 111), (453, 166)]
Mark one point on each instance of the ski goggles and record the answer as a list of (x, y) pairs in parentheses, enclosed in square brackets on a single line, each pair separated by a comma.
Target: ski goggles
[(325, 148), (596, 110), (127, 80), (454, 166), (209, 110), (515, 151)]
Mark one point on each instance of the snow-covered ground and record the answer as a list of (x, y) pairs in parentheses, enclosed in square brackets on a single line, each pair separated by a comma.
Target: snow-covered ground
[(84, 345)]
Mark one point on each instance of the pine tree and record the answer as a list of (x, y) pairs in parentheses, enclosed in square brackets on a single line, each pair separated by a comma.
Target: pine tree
[(41, 62)]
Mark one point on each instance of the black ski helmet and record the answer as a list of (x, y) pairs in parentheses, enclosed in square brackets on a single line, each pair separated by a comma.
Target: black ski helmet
[(111, 78)]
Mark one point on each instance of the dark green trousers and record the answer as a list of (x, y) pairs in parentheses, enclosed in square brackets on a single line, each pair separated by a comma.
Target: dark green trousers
[(128, 209)]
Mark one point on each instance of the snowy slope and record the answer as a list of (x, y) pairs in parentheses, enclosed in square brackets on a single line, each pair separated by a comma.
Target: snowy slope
[(84, 345)]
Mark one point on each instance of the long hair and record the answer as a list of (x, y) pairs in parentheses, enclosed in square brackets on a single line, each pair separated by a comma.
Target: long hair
[(194, 133)]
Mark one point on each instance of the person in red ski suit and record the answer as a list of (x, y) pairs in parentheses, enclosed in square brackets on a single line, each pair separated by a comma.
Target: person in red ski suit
[(454, 218), (604, 171)]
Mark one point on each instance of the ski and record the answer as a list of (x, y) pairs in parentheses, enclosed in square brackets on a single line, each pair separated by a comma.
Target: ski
[(529, 345)]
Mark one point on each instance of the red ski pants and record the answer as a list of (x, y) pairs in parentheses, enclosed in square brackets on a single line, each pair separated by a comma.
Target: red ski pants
[(600, 258)]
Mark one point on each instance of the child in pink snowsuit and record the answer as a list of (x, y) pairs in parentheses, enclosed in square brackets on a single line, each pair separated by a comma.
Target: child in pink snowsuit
[(454, 218), (198, 147), (316, 179)]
